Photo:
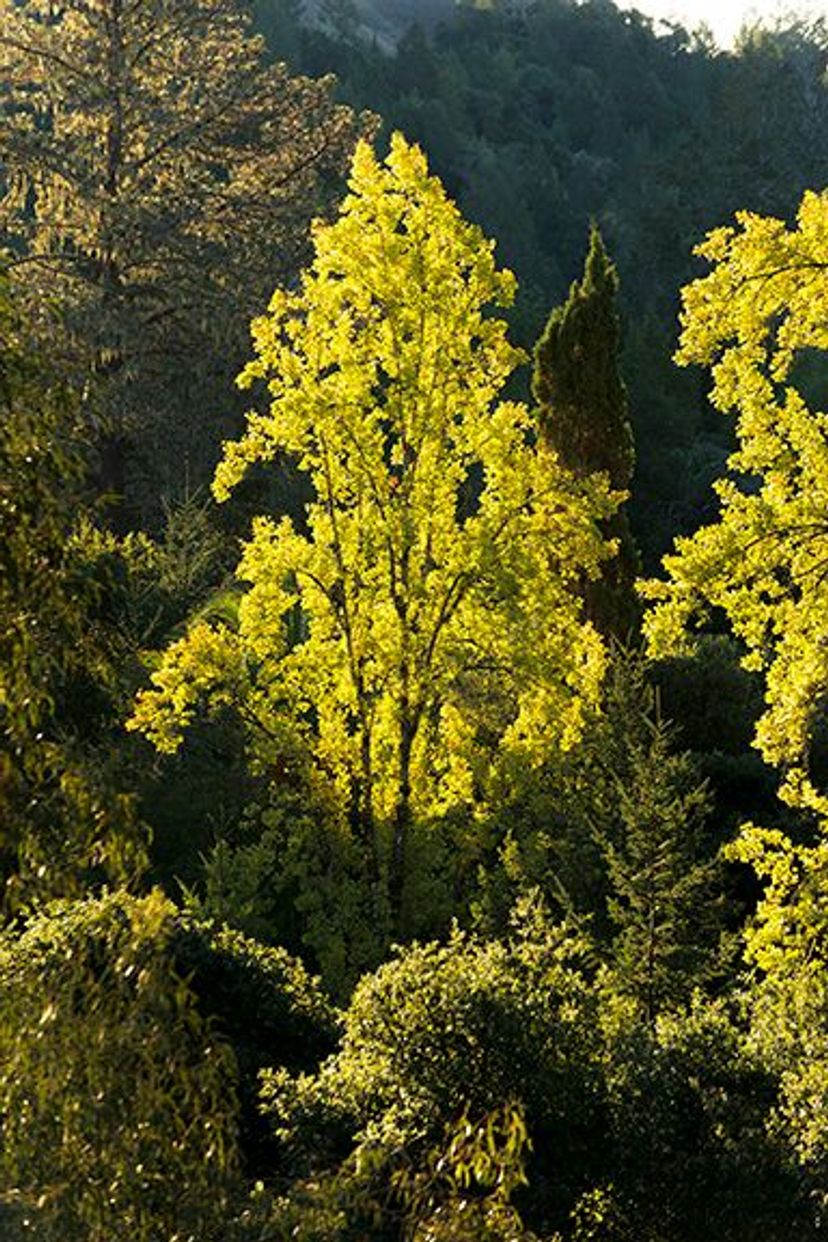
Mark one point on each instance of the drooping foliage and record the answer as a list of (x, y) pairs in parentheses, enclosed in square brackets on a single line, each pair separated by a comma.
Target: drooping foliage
[(131, 1040), (117, 1104)]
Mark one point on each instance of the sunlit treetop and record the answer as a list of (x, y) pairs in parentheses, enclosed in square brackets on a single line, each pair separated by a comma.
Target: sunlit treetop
[(759, 320), (425, 619)]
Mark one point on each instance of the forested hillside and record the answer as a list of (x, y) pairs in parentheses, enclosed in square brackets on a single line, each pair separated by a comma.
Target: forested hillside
[(413, 586), (542, 117)]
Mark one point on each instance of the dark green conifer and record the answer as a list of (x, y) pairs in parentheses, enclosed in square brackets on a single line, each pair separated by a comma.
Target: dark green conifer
[(583, 413), (662, 898), (664, 885)]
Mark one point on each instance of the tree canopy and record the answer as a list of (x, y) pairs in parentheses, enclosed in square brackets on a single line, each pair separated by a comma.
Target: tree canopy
[(758, 319), (158, 175), (389, 735), (437, 637)]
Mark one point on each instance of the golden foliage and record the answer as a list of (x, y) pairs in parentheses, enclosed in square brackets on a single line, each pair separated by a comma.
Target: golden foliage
[(440, 635), (758, 319)]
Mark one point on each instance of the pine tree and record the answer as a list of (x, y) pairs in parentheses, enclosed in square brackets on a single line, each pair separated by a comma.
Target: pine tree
[(582, 411), (661, 875), (158, 178), (341, 17)]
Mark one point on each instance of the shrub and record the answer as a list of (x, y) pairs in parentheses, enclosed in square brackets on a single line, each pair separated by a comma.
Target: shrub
[(467, 1027), (131, 1038)]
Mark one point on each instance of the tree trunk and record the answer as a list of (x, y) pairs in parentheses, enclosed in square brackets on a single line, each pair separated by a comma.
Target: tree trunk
[(402, 820)]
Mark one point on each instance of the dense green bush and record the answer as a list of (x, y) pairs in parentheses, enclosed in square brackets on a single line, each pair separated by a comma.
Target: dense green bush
[(635, 1130), (264, 1004), (130, 1042), (688, 1150), (443, 1030)]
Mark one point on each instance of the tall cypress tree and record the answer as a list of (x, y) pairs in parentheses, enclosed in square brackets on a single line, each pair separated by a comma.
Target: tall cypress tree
[(582, 411)]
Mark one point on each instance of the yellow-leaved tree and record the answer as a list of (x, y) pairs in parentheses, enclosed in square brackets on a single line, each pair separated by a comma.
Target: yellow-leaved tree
[(421, 634), (759, 319)]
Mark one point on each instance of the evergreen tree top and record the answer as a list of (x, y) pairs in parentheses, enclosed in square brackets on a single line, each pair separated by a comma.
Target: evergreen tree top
[(581, 398)]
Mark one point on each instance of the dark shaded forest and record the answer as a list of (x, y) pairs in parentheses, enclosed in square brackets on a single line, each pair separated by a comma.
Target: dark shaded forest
[(413, 675)]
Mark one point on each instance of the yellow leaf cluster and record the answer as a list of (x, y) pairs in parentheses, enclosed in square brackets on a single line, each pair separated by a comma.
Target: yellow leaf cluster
[(759, 320), (430, 594)]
